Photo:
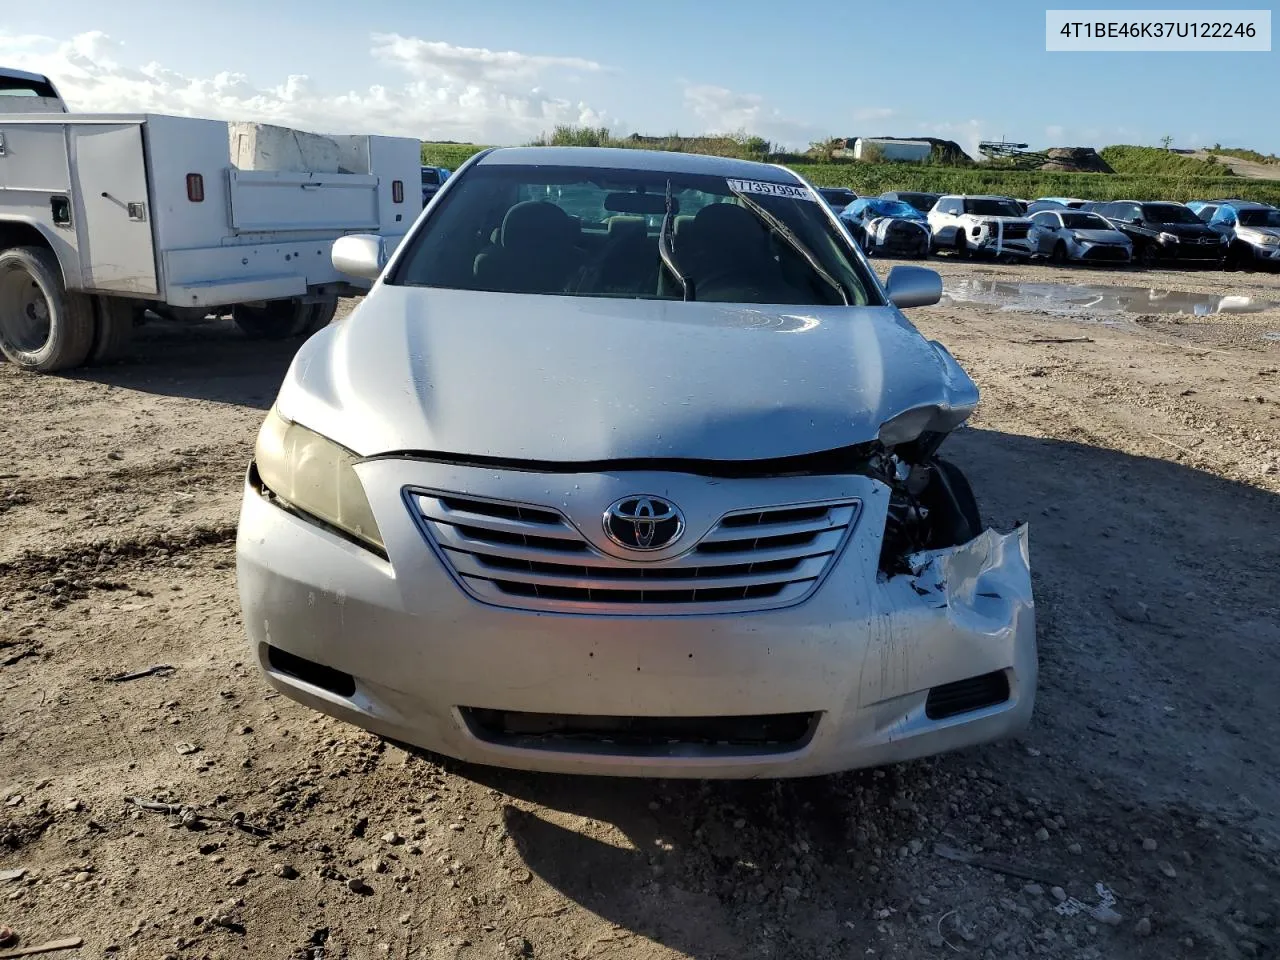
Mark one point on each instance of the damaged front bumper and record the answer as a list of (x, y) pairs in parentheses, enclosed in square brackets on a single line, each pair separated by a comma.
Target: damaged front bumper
[(866, 669)]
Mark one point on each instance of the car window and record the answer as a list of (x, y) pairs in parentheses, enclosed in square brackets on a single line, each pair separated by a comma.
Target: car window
[(1207, 212), (1045, 219), (1120, 211), (1260, 218), (991, 207), (593, 232), (1079, 220), (430, 177)]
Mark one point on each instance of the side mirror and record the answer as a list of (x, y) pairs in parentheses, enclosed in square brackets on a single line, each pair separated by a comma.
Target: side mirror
[(359, 255), (913, 286), (1137, 221)]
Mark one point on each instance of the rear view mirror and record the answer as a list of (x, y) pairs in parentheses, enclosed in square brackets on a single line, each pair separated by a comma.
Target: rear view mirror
[(646, 204), (360, 255), (913, 286)]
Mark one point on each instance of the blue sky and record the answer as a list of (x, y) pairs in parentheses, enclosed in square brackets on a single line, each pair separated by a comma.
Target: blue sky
[(502, 70)]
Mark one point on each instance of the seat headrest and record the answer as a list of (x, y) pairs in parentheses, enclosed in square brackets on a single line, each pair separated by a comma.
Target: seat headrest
[(723, 229), (625, 226), (536, 223)]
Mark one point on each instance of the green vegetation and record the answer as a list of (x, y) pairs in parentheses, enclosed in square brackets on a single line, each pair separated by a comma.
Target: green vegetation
[(1240, 153), (1029, 184), (1155, 162), (1142, 173), (450, 155)]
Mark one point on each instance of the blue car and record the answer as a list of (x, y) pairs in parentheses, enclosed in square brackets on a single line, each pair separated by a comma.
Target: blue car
[(432, 179), (891, 227)]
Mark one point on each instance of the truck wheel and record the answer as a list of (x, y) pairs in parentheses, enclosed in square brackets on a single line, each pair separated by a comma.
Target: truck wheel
[(43, 327), (1059, 255), (115, 319), (322, 315), (1149, 256), (275, 320), (962, 245)]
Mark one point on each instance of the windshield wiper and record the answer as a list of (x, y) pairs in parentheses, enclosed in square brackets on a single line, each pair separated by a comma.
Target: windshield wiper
[(664, 248), (794, 242)]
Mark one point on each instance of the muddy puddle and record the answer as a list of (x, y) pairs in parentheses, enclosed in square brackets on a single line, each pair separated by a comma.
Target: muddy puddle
[(1103, 303)]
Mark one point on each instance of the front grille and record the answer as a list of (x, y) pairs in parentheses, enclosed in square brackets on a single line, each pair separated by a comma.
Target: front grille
[(1106, 252), (532, 557), (643, 736), (964, 696)]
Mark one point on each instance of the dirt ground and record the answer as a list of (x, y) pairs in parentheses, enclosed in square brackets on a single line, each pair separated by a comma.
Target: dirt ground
[(1144, 451)]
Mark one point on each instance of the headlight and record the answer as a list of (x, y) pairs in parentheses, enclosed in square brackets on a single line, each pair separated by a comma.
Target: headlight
[(315, 476), (1168, 238), (1079, 239), (1267, 240)]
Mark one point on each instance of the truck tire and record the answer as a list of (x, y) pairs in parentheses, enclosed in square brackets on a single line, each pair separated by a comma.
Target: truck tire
[(113, 331), (275, 320), (43, 327), (322, 315)]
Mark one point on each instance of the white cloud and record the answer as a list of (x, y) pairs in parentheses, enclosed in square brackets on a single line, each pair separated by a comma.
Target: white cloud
[(448, 92), (967, 133), (723, 111)]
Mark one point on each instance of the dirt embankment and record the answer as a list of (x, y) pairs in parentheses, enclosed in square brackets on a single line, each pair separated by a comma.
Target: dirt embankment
[(1146, 456)]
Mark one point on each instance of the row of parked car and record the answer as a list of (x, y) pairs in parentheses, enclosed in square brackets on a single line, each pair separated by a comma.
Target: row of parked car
[(1226, 233)]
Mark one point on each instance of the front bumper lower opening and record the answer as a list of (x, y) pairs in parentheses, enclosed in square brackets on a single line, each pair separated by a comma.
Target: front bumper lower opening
[(643, 736)]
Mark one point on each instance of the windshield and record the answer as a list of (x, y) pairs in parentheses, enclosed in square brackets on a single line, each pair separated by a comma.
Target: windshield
[(992, 207), (591, 232), (1260, 218), (1085, 221), (833, 195), (1169, 213), (895, 208)]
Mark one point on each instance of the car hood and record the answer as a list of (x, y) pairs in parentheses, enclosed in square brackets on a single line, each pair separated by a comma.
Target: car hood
[(1101, 236), (577, 379), (1244, 231), (1188, 230)]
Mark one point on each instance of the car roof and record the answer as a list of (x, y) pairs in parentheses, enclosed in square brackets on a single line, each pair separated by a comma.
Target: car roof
[(661, 161), (975, 196)]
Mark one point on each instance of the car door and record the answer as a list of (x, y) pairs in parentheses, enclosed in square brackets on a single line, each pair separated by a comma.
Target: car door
[(943, 220), (1044, 231)]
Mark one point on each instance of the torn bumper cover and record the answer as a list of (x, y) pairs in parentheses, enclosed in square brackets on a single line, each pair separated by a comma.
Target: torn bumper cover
[(863, 669)]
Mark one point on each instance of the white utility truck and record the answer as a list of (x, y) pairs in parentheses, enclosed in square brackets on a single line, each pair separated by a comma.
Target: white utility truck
[(105, 216)]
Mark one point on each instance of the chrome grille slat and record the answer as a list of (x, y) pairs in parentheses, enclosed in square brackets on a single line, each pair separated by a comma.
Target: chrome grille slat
[(436, 508), (836, 518), (469, 565), (529, 556)]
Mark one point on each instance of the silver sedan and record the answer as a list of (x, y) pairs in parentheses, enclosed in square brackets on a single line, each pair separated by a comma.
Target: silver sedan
[(1072, 235), (642, 480)]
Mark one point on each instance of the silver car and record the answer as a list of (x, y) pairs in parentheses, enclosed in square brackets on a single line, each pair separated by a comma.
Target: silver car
[(642, 480), (1074, 235)]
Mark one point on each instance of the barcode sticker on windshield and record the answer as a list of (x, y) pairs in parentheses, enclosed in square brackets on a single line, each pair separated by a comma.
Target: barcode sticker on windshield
[(772, 189)]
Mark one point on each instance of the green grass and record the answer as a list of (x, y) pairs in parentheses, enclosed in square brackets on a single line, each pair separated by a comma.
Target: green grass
[(1240, 153), (1152, 161), (449, 155), (1167, 180), (1029, 184)]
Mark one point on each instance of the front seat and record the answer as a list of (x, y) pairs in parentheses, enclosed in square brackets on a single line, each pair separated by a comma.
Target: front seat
[(726, 251), (536, 253)]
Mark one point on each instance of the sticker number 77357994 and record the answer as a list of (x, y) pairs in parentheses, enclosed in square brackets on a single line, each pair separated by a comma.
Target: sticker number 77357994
[(772, 189)]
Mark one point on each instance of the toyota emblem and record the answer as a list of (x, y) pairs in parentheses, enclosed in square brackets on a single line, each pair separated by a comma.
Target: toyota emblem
[(643, 523)]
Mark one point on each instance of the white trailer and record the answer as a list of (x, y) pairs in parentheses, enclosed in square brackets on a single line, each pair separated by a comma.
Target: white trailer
[(105, 216), (912, 150)]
